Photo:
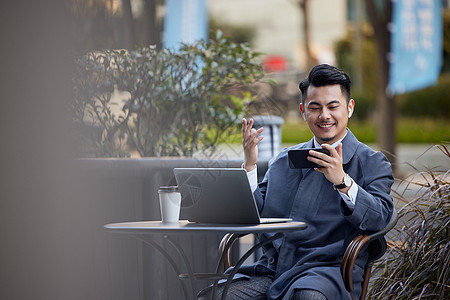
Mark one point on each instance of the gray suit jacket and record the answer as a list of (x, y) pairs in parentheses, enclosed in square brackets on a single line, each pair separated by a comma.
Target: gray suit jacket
[(310, 258)]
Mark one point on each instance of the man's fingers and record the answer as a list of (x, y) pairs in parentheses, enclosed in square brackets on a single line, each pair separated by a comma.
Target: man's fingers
[(255, 132), (254, 138), (250, 126), (333, 151), (258, 139), (246, 127), (250, 134), (316, 159), (319, 155), (339, 149)]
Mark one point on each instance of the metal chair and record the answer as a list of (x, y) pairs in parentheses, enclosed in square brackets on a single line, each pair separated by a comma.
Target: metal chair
[(376, 246)]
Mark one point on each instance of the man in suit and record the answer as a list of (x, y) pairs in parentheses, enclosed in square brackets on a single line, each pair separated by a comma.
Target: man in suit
[(347, 195)]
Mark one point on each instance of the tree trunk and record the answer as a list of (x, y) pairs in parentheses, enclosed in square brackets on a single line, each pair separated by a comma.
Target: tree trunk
[(357, 81), (386, 113), (128, 24), (152, 36), (304, 4)]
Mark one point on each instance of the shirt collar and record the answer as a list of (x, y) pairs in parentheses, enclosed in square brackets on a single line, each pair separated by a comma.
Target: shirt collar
[(334, 145)]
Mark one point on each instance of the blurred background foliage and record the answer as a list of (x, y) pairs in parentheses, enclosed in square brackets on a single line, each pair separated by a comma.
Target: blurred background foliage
[(111, 24), (433, 101), (422, 116), (236, 33), (429, 102), (409, 130), (364, 91), (175, 103), (446, 40)]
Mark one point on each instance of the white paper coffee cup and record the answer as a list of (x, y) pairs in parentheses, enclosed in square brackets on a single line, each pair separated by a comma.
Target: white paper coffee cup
[(169, 202)]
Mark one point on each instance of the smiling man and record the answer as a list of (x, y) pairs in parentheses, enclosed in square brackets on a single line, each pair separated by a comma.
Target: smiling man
[(326, 110), (347, 195)]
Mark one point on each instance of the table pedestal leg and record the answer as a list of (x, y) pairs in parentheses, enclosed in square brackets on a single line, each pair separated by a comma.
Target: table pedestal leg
[(186, 263), (240, 262), (161, 250)]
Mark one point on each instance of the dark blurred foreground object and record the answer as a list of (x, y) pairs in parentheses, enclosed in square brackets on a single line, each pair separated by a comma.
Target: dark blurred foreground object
[(34, 83)]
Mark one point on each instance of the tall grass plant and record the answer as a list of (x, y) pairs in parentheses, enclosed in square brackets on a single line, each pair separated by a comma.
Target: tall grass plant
[(417, 263)]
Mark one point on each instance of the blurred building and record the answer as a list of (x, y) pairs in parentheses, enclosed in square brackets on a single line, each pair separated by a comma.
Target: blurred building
[(279, 35), (278, 25)]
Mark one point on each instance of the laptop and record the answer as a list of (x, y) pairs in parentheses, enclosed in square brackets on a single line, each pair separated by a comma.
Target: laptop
[(218, 196)]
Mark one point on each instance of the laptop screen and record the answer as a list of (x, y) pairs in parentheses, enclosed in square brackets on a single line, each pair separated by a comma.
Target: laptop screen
[(216, 195)]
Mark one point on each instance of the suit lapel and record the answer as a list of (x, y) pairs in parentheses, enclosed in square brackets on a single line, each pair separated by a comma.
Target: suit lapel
[(349, 146)]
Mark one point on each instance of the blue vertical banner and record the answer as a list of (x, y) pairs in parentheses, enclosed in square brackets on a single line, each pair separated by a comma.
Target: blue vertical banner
[(185, 21), (416, 45)]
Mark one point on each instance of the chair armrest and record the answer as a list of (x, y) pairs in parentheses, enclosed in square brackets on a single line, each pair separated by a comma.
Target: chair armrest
[(387, 228), (375, 240), (224, 251), (349, 260)]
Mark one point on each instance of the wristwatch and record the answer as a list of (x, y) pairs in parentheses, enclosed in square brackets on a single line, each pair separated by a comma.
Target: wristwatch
[(345, 183)]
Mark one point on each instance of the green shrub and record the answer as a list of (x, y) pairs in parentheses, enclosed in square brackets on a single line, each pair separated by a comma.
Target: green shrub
[(179, 101), (365, 104), (347, 59), (365, 130), (423, 130), (433, 101), (417, 264), (295, 133), (364, 91), (409, 130), (237, 33)]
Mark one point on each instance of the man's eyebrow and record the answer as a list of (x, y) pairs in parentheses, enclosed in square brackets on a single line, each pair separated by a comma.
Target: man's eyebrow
[(313, 103), (329, 103), (333, 102)]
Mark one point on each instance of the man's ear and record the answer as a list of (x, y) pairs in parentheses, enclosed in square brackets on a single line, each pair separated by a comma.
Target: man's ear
[(351, 107), (302, 110)]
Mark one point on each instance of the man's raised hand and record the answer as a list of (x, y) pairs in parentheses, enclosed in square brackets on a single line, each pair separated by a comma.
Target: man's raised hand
[(250, 141)]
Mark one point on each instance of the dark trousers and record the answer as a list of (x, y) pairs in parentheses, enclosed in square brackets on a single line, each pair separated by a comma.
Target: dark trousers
[(255, 288)]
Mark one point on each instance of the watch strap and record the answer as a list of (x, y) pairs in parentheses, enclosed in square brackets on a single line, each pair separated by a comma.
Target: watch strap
[(339, 186), (343, 184)]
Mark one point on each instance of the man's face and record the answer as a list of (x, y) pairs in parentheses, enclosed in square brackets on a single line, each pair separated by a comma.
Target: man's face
[(326, 112)]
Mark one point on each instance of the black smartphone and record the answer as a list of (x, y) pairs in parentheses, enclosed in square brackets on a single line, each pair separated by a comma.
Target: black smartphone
[(298, 158)]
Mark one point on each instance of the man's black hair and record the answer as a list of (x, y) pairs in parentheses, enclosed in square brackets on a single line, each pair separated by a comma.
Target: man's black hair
[(322, 75)]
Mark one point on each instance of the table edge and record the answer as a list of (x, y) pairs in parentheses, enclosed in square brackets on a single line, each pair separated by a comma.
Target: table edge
[(190, 228)]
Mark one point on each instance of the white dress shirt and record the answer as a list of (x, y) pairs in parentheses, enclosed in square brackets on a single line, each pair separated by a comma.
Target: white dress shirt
[(348, 199)]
